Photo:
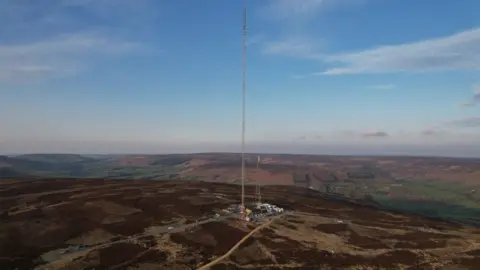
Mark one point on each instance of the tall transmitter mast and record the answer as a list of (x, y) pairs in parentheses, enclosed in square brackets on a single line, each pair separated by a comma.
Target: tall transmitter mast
[(244, 66), (257, 188)]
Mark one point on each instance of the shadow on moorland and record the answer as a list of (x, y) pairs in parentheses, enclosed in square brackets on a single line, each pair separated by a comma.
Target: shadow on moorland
[(432, 209)]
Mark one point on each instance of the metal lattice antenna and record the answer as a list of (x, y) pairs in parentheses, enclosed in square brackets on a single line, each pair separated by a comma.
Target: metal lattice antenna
[(258, 191), (244, 64)]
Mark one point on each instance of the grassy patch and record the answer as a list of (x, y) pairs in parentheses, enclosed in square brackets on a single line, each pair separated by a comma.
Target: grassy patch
[(436, 209)]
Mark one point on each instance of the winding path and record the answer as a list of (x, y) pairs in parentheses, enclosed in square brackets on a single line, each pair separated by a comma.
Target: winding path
[(245, 238)]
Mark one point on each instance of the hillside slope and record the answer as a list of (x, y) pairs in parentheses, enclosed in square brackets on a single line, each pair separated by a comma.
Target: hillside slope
[(108, 224)]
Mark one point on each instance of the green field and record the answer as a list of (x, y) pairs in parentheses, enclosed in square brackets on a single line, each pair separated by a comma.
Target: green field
[(453, 212), (438, 191), (75, 166), (442, 199), (433, 198)]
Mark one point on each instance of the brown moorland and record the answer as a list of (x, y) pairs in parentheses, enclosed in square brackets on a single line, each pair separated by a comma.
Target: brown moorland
[(122, 224)]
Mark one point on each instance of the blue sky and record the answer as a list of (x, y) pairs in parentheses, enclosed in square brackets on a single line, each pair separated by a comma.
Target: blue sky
[(323, 76)]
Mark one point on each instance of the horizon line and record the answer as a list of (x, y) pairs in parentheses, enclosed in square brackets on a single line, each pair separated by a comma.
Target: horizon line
[(249, 153)]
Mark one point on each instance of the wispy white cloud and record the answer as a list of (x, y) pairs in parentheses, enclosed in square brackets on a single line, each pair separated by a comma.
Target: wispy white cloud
[(75, 43), (475, 99), (383, 86), (301, 138), (255, 39), (294, 16), (285, 9), (457, 51), (56, 57), (433, 132), (308, 137), (36, 15), (301, 9), (101, 5), (50, 38), (293, 46), (471, 122), (352, 134), (297, 77), (375, 134), (452, 128)]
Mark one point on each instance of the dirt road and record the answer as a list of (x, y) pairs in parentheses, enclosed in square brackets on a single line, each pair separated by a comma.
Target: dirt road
[(245, 238), (58, 254)]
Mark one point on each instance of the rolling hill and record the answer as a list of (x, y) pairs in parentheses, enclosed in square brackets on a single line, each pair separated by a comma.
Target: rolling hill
[(125, 224)]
